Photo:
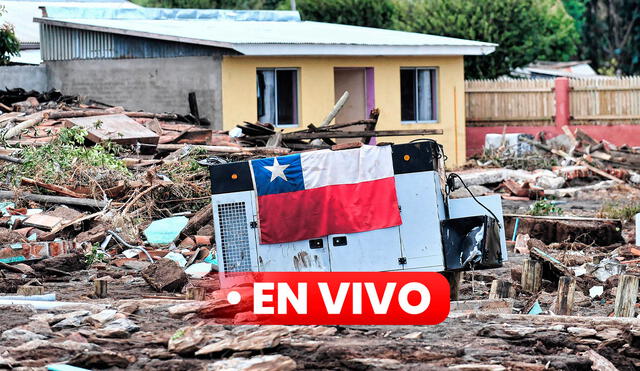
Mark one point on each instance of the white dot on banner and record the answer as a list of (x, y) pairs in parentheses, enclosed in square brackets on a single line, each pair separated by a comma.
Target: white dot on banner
[(233, 297)]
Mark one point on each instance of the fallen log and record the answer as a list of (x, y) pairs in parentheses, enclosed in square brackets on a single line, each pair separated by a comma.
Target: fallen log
[(88, 113), (12, 132), (8, 195), (15, 160)]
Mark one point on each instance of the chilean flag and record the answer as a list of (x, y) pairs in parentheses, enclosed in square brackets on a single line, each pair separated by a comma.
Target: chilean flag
[(318, 193)]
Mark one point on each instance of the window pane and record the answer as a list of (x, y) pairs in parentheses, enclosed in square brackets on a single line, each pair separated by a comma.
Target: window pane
[(426, 89), (265, 80), (287, 97), (408, 95)]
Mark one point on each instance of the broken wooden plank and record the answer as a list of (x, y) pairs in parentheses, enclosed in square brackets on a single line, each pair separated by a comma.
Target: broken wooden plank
[(42, 221), (52, 187), (626, 296), (336, 109), (117, 128), (531, 275)]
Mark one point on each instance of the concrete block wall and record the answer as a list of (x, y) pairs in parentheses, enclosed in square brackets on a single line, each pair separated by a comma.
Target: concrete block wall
[(150, 84), (25, 77)]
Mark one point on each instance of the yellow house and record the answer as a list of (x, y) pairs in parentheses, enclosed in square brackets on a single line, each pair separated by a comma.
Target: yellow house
[(266, 66)]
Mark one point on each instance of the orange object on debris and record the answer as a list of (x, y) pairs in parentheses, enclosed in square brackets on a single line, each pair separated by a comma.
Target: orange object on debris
[(203, 240), (524, 190)]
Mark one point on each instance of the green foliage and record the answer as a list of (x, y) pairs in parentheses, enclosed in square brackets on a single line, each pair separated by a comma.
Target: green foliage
[(210, 4), (611, 36), (95, 256), (576, 9), (9, 45), (623, 212), (64, 155), (526, 30), (178, 334), (544, 207), (368, 13)]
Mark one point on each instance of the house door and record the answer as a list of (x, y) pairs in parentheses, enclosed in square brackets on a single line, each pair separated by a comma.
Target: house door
[(359, 83), (353, 81)]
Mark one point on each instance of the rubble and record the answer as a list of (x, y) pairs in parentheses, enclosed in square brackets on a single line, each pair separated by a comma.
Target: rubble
[(140, 220)]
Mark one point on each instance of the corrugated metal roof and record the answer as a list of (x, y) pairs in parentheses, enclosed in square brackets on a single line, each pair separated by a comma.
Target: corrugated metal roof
[(20, 13), (60, 43), (285, 38), (177, 14)]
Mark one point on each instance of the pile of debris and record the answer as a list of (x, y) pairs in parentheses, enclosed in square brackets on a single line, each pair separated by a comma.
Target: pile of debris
[(567, 164)]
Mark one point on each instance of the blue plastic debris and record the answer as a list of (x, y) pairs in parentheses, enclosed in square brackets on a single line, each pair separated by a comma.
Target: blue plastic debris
[(13, 259), (63, 367), (165, 231), (211, 259), (536, 309), (4, 206)]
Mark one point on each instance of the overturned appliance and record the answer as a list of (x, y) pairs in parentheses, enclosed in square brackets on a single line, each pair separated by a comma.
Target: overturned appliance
[(374, 208)]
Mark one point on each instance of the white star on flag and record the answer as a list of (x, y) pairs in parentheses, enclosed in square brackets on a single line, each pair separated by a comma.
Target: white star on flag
[(277, 170)]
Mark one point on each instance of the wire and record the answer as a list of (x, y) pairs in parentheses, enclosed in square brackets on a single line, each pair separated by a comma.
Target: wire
[(451, 184)]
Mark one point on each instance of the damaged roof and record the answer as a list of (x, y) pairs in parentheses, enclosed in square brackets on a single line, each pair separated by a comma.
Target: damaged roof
[(259, 32)]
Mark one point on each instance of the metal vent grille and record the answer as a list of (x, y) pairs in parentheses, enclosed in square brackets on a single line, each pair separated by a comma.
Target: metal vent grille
[(234, 235)]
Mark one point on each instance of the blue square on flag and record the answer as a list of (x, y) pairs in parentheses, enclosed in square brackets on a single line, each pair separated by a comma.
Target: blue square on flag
[(278, 174)]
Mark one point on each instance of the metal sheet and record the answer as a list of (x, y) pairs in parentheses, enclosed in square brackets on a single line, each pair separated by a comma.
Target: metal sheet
[(376, 250), (293, 257), (420, 229), (251, 37), (462, 207)]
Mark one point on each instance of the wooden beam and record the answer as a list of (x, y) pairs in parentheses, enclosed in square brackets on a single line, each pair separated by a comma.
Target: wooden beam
[(354, 134), (626, 296), (531, 275), (8, 195)]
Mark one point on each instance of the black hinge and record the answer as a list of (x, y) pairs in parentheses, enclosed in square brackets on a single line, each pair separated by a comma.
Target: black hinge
[(253, 224), (402, 260)]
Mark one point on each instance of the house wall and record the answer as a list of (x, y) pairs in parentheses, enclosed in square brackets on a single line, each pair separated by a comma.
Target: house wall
[(150, 84), (316, 93), (25, 77)]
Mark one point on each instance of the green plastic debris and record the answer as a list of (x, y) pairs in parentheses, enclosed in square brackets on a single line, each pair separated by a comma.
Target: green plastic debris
[(165, 231)]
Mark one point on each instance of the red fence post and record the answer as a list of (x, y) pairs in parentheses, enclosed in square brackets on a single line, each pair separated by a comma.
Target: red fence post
[(562, 101)]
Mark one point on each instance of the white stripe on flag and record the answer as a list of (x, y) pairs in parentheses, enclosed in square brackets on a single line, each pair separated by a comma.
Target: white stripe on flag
[(350, 166)]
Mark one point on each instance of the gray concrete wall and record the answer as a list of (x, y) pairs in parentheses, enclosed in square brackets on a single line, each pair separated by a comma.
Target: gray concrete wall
[(25, 77), (153, 84)]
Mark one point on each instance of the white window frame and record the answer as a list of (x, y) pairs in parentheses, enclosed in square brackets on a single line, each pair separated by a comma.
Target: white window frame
[(435, 100), (275, 71)]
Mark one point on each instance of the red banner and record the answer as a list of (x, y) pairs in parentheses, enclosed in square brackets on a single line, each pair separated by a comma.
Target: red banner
[(333, 298)]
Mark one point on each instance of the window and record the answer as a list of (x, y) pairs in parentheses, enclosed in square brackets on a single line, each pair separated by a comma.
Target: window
[(278, 96), (418, 93)]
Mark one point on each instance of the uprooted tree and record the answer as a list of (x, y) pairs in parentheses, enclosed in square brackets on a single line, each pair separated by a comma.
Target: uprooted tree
[(9, 45)]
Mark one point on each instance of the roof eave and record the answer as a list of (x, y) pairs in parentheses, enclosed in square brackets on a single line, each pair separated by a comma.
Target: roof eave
[(361, 50), (284, 49)]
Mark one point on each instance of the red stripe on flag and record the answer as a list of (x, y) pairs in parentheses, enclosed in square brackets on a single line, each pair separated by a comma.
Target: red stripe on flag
[(335, 209)]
